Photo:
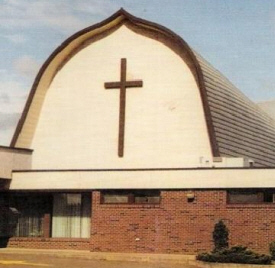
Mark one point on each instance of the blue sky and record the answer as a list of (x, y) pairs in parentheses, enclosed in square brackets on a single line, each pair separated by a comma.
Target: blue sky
[(236, 37)]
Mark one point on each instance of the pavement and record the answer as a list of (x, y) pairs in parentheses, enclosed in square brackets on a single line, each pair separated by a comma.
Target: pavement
[(31, 258), (44, 261), (16, 258)]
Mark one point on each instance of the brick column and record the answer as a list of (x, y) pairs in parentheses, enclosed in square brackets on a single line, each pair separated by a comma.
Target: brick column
[(47, 225)]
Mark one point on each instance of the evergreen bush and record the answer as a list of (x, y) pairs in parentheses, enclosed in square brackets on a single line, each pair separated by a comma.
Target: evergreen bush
[(220, 236), (236, 254)]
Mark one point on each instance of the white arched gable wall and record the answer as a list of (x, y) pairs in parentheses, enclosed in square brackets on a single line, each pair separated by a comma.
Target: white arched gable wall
[(165, 122)]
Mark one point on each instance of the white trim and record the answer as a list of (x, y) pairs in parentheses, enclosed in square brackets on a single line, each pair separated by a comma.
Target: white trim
[(143, 179)]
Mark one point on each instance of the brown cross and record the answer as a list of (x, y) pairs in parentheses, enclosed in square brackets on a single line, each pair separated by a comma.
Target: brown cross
[(122, 85)]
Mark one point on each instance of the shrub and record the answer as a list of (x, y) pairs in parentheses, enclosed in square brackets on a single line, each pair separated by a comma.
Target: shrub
[(272, 250), (220, 236), (236, 254)]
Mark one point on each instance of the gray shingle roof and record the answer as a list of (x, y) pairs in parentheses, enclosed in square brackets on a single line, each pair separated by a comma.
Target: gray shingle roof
[(241, 127)]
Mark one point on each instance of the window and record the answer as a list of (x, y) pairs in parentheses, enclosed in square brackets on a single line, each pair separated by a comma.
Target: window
[(71, 215), (3, 215), (27, 214), (249, 196), (130, 197)]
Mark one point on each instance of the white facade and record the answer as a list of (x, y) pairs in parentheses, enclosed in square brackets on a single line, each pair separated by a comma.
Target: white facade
[(78, 123)]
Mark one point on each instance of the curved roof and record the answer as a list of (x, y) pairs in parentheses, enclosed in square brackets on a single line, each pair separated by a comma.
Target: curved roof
[(236, 126), (241, 127)]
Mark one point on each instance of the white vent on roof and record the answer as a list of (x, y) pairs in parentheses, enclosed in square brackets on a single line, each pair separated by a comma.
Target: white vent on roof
[(232, 162)]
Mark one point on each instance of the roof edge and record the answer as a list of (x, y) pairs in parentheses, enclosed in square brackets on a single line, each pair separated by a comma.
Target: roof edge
[(10, 148), (139, 169)]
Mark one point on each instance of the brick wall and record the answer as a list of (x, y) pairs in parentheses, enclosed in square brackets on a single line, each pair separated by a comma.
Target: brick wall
[(179, 226), (50, 243), (173, 226)]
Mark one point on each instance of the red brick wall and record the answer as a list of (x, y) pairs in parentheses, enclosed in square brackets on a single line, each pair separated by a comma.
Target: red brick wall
[(50, 243), (173, 226), (176, 226)]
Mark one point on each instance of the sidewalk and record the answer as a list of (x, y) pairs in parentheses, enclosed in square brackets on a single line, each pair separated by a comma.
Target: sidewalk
[(188, 260), (83, 254)]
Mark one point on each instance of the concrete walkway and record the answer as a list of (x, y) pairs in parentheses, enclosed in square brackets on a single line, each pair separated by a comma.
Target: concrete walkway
[(185, 260), (83, 254)]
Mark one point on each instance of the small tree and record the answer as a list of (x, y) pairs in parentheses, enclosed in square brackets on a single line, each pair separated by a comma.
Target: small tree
[(220, 236)]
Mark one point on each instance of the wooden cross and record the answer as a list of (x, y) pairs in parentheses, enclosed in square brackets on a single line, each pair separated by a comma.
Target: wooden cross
[(122, 85)]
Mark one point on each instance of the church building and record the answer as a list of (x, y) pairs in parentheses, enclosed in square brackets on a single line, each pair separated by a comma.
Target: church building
[(130, 141)]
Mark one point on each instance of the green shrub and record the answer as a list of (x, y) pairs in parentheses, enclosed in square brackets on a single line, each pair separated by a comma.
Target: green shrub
[(220, 236), (236, 254), (272, 250)]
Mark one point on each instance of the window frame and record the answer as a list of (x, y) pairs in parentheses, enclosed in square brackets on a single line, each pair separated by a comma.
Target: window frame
[(264, 192), (131, 194), (47, 217), (52, 236), (22, 203)]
